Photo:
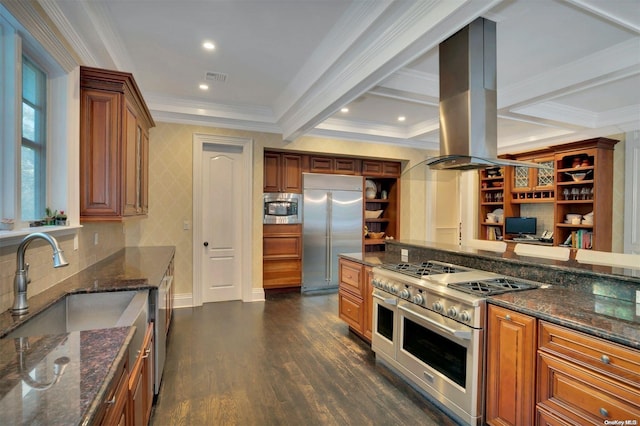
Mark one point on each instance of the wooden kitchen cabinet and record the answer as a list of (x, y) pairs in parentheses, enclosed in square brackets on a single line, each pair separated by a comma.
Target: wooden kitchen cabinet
[(511, 362), (593, 194), (114, 146), (114, 409), (381, 168), (141, 382), (355, 304), (282, 256), (334, 165), (387, 200), (282, 172), (493, 195), (585, 380)]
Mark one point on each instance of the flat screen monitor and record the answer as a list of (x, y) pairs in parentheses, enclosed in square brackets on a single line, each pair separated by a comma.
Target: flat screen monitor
[(520, 225)]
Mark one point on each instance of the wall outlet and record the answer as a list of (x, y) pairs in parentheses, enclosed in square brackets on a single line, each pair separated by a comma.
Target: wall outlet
[(404, 255), (95, 238), (186, 225)]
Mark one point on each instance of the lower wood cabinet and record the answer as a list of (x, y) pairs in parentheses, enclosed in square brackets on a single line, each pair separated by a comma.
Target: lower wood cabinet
[(141, 382), (355, 305), (281, 256), (567, 377), (115, 407), (586, 380), (511, 357)]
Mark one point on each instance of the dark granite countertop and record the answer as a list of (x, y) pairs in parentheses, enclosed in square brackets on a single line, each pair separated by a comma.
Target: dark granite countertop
[(92, 360), (93, 355), (611, 319), (132, 268)]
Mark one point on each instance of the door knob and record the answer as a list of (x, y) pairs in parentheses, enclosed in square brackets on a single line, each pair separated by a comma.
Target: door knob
[(206, 243)]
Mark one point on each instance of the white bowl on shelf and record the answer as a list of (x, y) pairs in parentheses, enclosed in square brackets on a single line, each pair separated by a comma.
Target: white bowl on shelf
[(372, 214)]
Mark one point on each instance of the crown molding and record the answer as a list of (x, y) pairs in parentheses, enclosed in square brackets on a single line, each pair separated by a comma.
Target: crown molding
[(33, 18), (597, 9), (75, 41)]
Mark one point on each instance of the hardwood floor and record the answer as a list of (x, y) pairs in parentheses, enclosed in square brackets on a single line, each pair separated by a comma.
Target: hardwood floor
[(288, 361)]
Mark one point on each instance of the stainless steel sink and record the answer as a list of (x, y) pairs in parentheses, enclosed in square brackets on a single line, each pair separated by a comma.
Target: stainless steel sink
[(89, 311)]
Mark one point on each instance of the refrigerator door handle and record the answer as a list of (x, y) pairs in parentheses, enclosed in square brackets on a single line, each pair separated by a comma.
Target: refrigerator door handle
[(328, 235)]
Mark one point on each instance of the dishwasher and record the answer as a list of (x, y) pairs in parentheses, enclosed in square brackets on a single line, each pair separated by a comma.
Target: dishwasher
[(160, 310)]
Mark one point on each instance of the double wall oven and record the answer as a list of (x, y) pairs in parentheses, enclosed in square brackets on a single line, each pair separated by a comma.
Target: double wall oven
[(428, 325)]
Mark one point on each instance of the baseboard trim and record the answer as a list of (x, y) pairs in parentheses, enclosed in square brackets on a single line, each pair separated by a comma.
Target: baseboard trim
[(185, 300)]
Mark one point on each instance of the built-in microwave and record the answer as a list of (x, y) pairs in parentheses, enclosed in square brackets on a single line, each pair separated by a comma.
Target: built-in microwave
[(283, 208)]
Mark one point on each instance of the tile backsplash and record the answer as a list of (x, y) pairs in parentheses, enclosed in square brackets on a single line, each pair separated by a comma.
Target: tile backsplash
[(39, 256)]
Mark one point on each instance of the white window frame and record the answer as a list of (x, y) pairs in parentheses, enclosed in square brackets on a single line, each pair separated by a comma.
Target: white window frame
[(63, 105)]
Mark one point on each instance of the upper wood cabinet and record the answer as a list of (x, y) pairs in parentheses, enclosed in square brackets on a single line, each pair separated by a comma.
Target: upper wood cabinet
[(282, 172), (381, 168), (114, 146), (334, 165)]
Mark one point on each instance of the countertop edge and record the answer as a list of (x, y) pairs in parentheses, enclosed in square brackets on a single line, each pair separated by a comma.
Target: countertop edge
[(92, 411)]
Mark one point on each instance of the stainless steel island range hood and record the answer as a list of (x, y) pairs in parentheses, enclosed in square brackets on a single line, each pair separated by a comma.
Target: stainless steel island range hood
[(468, 105)]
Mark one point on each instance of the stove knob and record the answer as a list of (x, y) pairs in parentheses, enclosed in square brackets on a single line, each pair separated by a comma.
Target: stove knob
[(405, 294), (465, 317), (437, 306), (374, 282), (386, 285), (394, 289), (418, 299), (452, 312)]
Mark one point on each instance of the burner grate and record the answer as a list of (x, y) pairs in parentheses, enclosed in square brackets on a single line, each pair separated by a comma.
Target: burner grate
[(426, 268), (492, 286)]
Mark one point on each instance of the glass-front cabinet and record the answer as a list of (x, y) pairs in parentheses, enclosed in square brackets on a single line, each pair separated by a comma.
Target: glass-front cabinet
[(531, 184)]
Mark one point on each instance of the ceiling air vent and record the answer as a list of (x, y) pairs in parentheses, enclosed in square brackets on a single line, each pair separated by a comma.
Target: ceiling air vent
[(215, 76)]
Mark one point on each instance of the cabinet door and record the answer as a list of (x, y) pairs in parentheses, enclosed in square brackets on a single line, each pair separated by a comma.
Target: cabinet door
[(99, 153), (271, 172), (511, 355), (148, 368), (321, 164), (131, 145), (144, 166), (292, 173), (117, 402), (347, 166)]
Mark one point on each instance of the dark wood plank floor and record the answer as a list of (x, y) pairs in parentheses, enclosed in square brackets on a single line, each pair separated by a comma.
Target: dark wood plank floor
[(288, 361)]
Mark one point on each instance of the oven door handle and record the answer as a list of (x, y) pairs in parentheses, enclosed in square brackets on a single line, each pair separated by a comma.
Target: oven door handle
[(460, 334), (388, 300)]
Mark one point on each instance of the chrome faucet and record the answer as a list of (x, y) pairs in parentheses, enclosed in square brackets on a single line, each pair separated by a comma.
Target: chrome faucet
[(21, 280)]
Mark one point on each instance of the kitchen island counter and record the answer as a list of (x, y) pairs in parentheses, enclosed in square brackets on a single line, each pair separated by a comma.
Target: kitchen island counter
[(611, 319), (596, 300)]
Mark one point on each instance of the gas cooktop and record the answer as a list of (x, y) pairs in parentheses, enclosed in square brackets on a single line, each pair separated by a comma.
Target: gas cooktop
[(492, 286), (431, 267)]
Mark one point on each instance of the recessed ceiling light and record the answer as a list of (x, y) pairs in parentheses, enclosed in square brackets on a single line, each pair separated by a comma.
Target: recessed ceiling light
[(345, 110), (208, 45), (204, 87), (402, 118)]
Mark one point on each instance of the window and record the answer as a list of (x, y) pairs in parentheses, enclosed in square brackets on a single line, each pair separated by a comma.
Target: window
[(39, 110), (34, 145)]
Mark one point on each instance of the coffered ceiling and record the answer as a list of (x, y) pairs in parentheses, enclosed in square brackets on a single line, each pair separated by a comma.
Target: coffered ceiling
[(567, 70)]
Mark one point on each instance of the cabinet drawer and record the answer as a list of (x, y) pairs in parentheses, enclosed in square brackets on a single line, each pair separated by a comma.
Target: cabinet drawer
[(582, 396), (545, 418), (281, 247), (351, 277), (351, 310), (607, 358), (281, 273)]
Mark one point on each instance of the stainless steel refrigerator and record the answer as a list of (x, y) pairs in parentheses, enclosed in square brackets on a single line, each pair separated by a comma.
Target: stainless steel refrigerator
[(332, 224)]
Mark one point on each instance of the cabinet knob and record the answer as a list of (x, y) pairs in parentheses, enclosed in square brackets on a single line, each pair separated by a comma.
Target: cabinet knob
[(508, 317), (206, 243), (605, 359), (604, 412)]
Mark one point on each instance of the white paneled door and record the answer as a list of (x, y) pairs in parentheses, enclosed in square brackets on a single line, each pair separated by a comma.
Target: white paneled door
[(222, 172)]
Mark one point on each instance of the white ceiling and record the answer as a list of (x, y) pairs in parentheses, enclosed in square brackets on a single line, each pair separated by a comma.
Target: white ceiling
[(567, 70)]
